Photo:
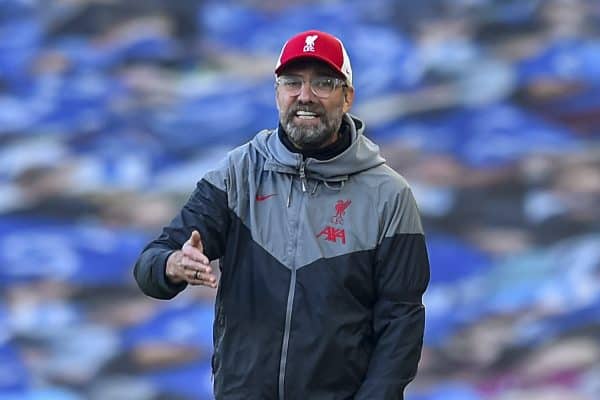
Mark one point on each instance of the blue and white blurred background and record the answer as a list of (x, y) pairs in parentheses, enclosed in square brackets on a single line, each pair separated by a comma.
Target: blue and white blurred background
[(111, 110)]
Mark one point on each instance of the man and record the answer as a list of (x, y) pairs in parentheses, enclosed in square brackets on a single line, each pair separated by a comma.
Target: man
[(322, 254)]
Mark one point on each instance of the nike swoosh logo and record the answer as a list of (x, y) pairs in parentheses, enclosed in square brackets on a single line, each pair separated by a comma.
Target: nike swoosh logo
[(264, 197)]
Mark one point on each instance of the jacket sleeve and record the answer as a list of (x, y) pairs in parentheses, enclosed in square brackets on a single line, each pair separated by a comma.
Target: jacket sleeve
[(206, 211), (401, 277)]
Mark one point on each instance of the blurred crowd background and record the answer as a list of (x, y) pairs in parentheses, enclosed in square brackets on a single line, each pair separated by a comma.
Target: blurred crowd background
[(110, 111)]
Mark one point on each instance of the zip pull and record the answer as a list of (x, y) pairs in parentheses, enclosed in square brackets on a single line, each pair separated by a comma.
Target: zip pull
[(303, 177)]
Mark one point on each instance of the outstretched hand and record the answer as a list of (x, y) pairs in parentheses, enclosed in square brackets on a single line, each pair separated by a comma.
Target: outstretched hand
[(190, 264)]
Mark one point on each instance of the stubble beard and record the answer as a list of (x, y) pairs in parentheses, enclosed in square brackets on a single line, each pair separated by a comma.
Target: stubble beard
[(311, 137)]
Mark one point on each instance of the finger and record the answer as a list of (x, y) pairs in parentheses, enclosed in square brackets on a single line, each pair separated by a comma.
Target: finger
[(196, 240), (193, 265), (201, 278), (194, 254)]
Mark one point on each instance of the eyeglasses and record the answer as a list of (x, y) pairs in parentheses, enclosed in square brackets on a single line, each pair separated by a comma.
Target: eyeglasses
[(321, 86)]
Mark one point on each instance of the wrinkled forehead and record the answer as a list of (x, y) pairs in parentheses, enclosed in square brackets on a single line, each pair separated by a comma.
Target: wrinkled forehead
[(309, 66)]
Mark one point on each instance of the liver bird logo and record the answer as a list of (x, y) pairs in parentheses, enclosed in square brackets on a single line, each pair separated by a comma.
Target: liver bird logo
[(340, 211), (310, 43)]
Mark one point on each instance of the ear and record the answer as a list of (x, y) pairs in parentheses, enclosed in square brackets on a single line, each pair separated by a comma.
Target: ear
[(277, 97), (348, 98)]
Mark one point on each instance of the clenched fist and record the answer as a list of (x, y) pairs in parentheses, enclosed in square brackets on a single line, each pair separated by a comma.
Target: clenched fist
[(190, 264)]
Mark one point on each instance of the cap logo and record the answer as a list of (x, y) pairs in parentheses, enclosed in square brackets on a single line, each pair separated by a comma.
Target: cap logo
[(310, 43)]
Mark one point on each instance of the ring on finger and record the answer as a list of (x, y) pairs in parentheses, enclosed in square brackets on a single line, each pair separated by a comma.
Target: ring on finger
[(197, 277)]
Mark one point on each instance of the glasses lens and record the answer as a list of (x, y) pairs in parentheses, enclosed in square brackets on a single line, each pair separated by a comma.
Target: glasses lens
[(292, 85), (323, 87)]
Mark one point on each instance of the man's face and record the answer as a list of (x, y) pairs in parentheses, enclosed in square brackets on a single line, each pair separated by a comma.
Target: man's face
[(312, 122)]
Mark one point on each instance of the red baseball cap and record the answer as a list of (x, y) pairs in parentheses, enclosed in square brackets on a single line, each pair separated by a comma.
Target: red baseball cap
[(318, 45)]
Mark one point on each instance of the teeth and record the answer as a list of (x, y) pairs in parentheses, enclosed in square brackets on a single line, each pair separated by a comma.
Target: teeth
[(305, 114)]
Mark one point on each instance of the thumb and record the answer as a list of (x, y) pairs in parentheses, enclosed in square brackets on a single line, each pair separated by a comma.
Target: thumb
[(196, 240)]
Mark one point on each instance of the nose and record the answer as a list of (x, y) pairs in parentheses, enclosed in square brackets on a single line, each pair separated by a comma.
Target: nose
[(306, 94)]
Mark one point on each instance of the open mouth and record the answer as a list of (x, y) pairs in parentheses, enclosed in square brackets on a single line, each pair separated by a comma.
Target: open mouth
[(306, 115)]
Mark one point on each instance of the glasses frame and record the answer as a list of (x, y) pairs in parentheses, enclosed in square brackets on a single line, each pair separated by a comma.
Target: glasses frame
[(337, 84)]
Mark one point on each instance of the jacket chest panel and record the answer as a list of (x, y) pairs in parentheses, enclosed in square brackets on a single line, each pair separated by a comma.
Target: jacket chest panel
[(298, 227)]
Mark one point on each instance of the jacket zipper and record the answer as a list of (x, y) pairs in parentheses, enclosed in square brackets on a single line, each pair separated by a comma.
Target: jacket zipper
[(303, 176), (290, 299), (286, 334), (303, 183)]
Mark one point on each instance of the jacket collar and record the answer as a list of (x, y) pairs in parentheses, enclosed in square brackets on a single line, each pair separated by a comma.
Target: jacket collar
[(362, 154)]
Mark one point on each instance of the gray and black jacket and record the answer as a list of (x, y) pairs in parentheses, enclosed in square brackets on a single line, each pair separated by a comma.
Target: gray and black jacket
[(323, 268)]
